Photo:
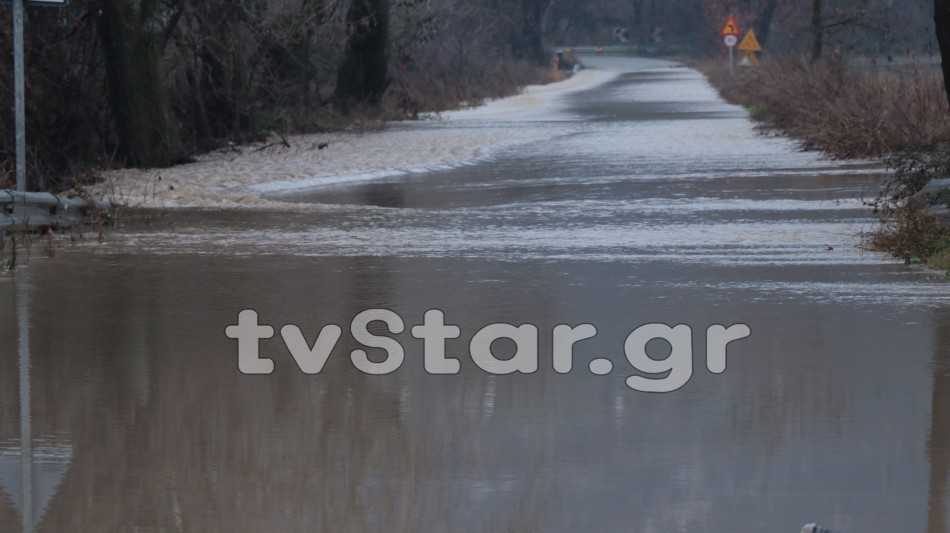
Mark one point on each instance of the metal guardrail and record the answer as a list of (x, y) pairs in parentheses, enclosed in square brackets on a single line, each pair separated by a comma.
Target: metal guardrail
[(32, 211), (651, 49), (934, 198), (935, 192), (812, 528)]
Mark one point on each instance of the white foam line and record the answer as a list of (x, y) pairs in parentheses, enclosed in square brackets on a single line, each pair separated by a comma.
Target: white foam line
[(235, 178), (479, 154), (609, 208), (768, 241)]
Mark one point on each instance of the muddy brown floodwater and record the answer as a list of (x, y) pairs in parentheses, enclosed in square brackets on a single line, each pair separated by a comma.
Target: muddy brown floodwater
[(647, 200)]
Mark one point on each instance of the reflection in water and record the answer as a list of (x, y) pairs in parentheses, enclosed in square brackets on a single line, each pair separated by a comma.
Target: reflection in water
[(26, 431), (383, 194), (30, 475), (938, 445), (170, 437)]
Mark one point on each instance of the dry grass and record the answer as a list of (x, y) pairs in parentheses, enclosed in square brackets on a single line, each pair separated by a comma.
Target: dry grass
[(842, 109), (940, 261)]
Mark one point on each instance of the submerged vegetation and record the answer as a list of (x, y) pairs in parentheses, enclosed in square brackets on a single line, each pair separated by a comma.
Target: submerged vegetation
[(913, 235)]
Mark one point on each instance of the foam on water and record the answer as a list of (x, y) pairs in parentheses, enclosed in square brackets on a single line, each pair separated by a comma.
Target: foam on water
[(241, 176), (730, 243), (236, 179)]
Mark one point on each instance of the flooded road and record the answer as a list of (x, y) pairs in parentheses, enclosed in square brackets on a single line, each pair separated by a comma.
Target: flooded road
[(644, 199)]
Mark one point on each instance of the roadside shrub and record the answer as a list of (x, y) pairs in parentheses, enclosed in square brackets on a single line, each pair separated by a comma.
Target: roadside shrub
[(910, 234), (906, 230), (845, 108)]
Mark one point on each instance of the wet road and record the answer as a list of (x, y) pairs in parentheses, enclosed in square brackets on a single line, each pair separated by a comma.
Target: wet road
[(648, 200)]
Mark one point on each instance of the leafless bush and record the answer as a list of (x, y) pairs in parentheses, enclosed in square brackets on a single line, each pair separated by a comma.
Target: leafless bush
[(913, 235), (843, 109)]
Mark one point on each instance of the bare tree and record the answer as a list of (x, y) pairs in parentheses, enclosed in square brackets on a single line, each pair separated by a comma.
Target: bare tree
[(817, 30), (364, 73), (531, 46), (763, 24), (133, 34), (942, 25), (873, 18)]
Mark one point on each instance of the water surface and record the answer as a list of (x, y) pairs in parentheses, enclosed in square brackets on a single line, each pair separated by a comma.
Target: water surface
[(648, 200)]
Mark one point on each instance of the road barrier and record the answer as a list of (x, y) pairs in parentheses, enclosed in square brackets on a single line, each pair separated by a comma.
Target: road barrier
[(935, 193), (934, 198), (650, 49), (34, 211)]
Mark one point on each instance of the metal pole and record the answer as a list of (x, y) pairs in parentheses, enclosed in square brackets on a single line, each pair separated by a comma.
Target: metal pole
[(26, 428), (731, 67), (19, 92)]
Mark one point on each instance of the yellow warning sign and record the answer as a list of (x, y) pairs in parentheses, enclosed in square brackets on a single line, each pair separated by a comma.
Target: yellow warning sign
[(750, 43), (749, 60), (731, 28)]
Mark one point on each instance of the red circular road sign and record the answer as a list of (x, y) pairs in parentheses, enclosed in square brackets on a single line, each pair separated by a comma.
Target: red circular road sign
[(731, 27), (730, 40)]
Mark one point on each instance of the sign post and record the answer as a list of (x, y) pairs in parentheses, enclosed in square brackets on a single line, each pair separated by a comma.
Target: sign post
[(730, 33), (19, 91), (19, 96)]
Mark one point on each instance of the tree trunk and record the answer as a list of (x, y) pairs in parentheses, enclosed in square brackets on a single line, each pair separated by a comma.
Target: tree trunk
[(363, 76), (817, 30), (638, 25), (526, 29), (763, 26), (133, 39), (942, 24), (532, 31)]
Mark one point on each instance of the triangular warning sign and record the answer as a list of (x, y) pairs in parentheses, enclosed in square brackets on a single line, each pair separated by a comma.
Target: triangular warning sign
[(731, 28), (750, 43)]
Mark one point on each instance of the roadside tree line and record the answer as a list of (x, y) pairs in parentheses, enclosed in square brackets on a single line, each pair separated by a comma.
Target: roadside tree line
[(152, 82)]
